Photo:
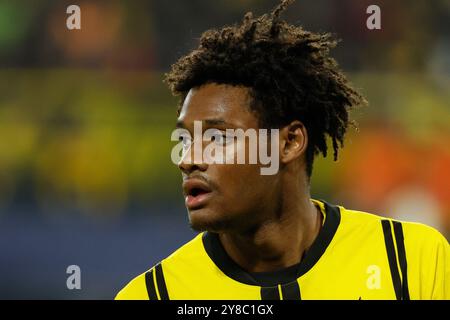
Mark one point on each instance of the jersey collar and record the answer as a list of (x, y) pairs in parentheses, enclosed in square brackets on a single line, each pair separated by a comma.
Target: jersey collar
[(218, 255)]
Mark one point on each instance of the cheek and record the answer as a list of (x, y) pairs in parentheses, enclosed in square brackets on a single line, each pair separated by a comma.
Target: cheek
[(240, 184)]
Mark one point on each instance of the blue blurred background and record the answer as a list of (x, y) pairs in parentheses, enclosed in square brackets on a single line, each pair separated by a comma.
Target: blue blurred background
[(85, 123)]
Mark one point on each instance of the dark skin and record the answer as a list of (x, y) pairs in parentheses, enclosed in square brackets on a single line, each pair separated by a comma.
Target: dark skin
[(265, 222)]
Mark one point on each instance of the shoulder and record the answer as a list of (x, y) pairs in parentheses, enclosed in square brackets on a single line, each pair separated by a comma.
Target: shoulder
[(359, 218), (189, 250), (136, 289), (419, 235), (416, 235)]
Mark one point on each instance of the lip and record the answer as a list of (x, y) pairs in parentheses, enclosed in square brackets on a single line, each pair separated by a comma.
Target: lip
[(195, 201)]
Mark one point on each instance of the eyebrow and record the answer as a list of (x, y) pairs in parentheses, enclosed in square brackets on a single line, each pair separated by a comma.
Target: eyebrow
[(207, 122)]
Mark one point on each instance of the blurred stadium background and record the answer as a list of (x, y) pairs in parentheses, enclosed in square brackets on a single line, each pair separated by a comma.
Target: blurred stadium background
[(85, 123)]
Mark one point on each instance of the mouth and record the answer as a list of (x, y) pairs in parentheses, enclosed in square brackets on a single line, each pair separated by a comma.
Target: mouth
[(196, 192)]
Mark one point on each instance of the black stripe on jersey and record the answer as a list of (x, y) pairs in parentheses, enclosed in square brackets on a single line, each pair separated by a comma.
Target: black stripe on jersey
[(399, 239), (270, 293), (162, 289), (151, 290), (392, 258), (291, 291)]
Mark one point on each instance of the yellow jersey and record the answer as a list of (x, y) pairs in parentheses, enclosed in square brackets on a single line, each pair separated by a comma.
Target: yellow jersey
[(356, 255)]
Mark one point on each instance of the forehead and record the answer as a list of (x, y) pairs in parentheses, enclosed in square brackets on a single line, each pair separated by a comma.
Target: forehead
[(218, 102)]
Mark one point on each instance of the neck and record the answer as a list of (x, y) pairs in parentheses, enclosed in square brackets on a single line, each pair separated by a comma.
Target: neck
[(278, 242)]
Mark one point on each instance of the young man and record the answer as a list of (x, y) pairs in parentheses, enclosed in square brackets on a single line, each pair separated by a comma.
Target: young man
[(263, 237)]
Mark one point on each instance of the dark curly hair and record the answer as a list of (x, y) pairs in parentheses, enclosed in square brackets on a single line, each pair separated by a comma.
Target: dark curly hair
[(289, 73)]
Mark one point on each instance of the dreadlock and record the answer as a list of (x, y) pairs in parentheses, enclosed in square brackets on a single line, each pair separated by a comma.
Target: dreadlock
[(289, 73)]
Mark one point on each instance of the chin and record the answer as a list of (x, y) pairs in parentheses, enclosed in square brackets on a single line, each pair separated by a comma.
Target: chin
[(208, 220)]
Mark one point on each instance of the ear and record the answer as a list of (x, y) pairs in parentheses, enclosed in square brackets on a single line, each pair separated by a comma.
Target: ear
[(293, 141)]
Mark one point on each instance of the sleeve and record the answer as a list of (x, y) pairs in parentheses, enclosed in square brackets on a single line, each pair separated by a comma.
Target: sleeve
[(441, 288), (428, 259), (135, 290)]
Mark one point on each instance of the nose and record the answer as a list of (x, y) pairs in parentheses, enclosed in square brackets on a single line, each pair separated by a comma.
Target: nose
[(192, 160)]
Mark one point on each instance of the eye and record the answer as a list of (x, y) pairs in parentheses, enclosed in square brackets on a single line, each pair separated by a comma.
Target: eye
[(216, 137), (220, 138), (186, 140)]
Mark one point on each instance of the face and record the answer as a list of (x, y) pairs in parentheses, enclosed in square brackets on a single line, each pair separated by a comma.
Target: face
[(223, 197)]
